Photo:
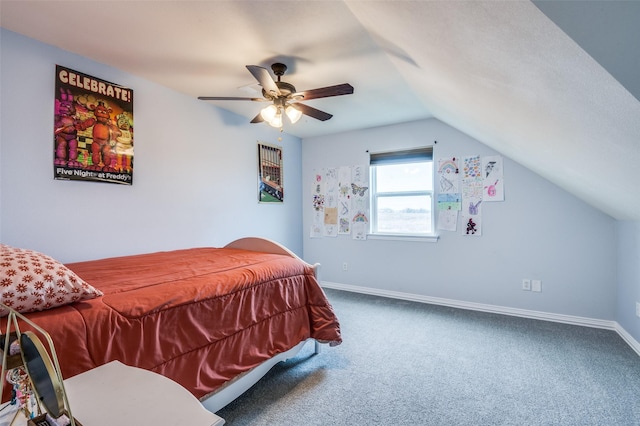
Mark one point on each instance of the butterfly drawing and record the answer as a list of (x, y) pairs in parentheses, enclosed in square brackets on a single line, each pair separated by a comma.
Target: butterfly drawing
[(358, 190)]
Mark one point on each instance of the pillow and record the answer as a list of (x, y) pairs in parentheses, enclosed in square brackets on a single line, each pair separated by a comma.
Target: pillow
[(31, 281)]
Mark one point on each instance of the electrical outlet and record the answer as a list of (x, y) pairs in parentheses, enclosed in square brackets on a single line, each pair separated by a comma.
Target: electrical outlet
[(536, 285), (526, 284), (345, 266), (638, 309)]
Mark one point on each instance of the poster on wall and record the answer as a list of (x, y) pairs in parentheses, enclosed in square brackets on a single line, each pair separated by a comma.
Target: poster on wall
[(317, 223), (344, 200), (360, 202), (93, 129), (447, 220), (493, 178), (449, 197), (340, 202), (270, 174), (330, 225), (448, 175), (464, 185), (472, 196)]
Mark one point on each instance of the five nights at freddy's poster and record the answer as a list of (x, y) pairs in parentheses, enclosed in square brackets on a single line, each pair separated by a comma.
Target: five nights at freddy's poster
[(93, 130)]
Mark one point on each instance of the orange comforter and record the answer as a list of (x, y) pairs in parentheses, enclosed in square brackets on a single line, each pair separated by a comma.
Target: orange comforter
[(198, 316)]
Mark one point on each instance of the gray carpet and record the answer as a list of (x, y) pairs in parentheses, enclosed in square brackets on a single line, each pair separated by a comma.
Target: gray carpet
[(408, 363)]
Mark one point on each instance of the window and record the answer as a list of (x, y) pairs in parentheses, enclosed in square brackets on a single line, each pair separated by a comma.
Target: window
[(402, 192)]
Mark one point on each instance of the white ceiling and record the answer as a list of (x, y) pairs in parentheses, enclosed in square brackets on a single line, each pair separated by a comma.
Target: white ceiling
[(501, 71)]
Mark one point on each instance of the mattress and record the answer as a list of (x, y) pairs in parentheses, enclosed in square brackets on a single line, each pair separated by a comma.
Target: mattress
[(199, 316)]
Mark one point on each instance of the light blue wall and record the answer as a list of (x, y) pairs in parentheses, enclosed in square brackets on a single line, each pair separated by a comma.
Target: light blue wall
[(539, 232), (195, 177), (195, 181), (629, 276)]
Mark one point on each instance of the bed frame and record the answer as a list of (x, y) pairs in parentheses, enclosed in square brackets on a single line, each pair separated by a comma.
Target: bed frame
[(237, 386)]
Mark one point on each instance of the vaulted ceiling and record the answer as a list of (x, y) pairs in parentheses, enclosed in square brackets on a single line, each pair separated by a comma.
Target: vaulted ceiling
[(553, 85)]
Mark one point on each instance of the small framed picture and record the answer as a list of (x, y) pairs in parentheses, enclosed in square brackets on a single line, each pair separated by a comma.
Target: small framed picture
[(270, 172)]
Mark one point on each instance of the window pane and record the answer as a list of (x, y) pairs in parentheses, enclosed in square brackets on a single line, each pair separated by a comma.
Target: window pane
[(404, 177), (404, 215)]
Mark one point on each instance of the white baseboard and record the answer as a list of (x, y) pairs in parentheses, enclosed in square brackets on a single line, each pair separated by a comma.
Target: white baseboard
[(628, 338), (524, 313)]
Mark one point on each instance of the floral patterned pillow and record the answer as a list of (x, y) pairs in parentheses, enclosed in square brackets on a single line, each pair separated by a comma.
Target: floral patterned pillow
[(31, 281)]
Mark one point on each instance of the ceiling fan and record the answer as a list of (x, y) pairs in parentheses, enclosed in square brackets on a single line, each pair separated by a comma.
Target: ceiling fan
[(284, 98)]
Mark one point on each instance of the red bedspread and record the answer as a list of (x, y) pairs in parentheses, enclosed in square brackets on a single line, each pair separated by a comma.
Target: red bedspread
[(198, 316)]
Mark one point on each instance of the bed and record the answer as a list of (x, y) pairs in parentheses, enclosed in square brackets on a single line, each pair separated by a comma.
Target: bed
[(212, 319)]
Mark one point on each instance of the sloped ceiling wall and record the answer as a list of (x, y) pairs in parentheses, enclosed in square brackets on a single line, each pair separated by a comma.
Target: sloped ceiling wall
[(538, 99), (500, 71), (606, 30)]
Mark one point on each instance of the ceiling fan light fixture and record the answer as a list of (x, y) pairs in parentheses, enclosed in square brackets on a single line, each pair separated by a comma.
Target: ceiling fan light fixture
[(268, 113), (280, 93), (276, 121), (293, 113)]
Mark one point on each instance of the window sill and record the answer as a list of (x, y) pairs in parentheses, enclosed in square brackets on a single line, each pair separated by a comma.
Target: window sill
[(401, 237)]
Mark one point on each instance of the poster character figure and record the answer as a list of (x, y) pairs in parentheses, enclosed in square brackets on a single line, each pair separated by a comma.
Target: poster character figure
[(473, 208), (489, 168), (103, 139), (471, 227), (124, 143), (66, 130), (491, 189)]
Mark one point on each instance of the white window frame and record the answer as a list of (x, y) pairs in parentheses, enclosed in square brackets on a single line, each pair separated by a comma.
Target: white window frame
[(407, 156)]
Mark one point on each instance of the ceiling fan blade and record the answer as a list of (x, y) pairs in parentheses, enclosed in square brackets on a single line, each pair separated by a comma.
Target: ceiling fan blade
[(265, 80), (325, 92), (230, 98), (312, 112), (257, 119)]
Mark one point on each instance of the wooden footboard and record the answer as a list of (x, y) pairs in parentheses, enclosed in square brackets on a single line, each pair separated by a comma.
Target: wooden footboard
[(260, 244), (268, 246)]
